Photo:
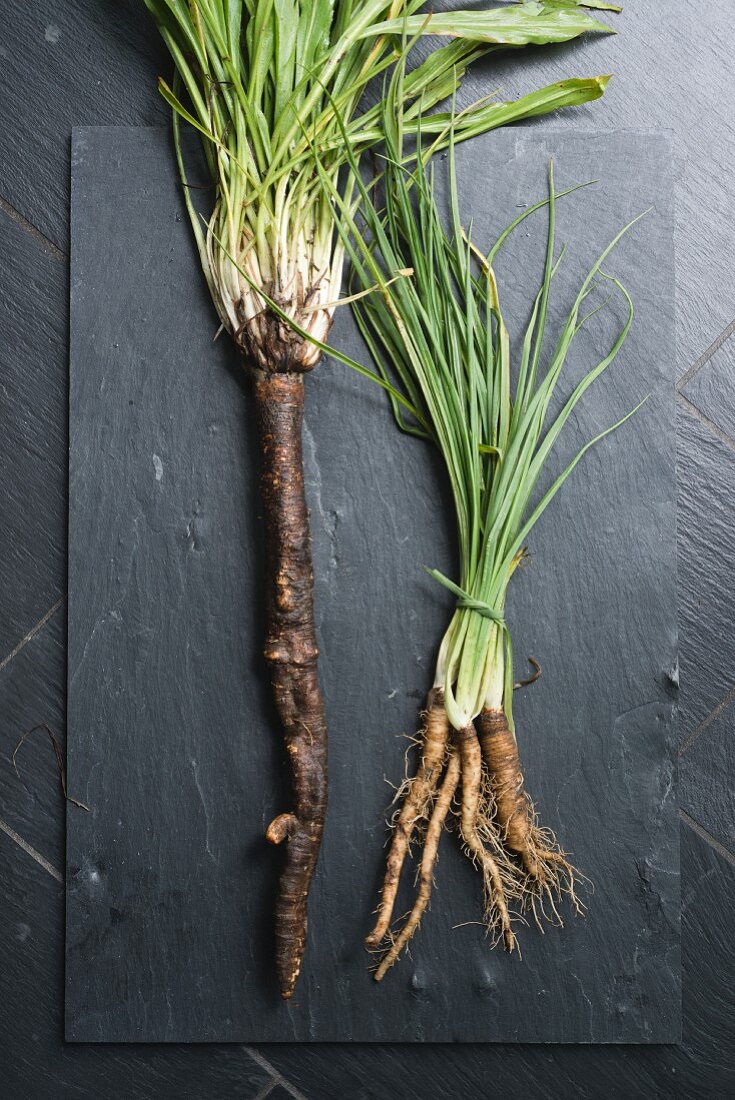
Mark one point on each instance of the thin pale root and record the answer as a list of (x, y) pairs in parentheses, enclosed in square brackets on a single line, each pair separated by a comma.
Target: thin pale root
[(417, 801), (428, 860)]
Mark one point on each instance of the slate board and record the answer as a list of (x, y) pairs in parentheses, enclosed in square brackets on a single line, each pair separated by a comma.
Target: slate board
[(172, 739)]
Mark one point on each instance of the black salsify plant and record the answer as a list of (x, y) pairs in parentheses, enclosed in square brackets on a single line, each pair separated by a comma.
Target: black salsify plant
[(441, 347), (270, 85)]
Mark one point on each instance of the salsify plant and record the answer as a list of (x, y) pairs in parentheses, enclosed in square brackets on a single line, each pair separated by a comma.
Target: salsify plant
[(439, 339), (273, 87)]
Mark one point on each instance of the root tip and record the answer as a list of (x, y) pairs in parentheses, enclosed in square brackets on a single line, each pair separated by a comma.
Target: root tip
[(288, 985), (281, 827)]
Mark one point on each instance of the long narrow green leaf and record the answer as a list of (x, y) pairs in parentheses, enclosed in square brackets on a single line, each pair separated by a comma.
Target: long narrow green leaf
[(529, 24)]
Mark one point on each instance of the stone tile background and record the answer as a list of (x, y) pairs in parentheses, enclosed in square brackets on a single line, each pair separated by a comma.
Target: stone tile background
[(94, 62)]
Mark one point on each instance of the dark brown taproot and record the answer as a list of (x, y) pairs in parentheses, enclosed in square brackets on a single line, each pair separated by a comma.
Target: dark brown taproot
[(291, 653)]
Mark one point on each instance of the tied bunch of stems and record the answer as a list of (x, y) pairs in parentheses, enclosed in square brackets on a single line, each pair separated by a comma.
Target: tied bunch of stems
[(439, 341), (276, 89)]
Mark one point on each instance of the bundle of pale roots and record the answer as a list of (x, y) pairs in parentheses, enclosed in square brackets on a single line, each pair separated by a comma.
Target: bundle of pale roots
[(473, 777)]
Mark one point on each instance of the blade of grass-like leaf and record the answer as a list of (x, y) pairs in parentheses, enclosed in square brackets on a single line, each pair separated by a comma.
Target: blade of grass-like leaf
[(556, 486), (538, 337), (527, 213), (528, 24), (490, 116), (193, 216), (511, 517), (598, 5), (182, 112)]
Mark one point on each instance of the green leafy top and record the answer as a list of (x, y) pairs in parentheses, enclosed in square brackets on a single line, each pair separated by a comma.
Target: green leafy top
[(440, 342), (267, 83)]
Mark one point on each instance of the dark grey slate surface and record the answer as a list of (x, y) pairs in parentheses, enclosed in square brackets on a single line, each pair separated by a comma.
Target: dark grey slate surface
[(170, 729), (78, 62), (710, 387), (31, 799), (656, 45), (33, 356), (38, 1065), (702, 1066), (707, 769), (706, 476), (41, 1066)]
